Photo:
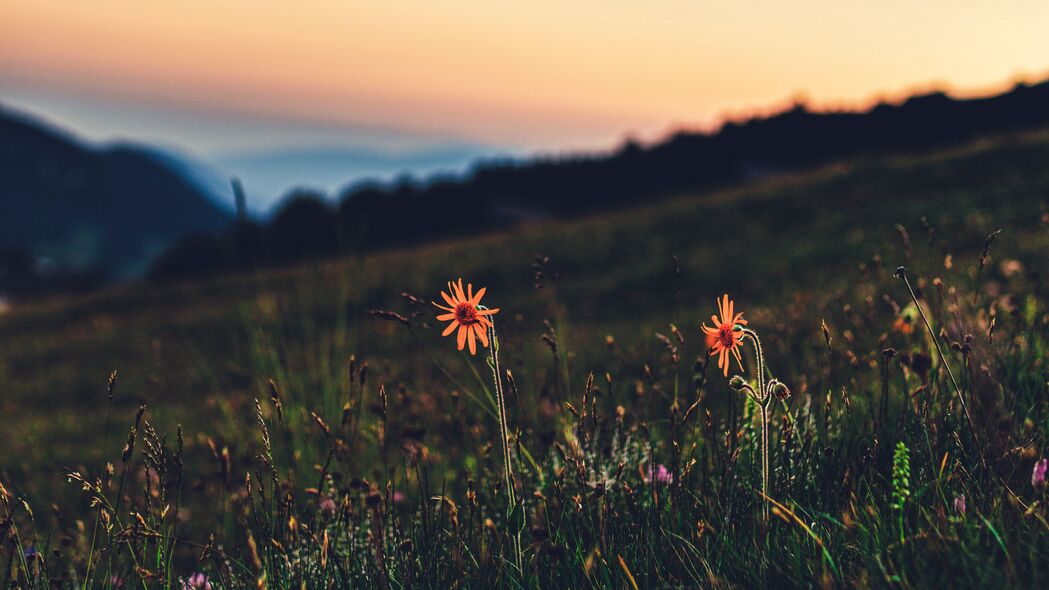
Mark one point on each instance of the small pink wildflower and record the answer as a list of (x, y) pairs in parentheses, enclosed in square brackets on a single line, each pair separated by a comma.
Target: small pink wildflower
[(1038, 473), (660, 474), (197, 581), (327, 506), (959, 504)]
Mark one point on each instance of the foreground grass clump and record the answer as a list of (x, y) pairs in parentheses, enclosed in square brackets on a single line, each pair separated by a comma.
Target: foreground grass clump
[(879, 468)]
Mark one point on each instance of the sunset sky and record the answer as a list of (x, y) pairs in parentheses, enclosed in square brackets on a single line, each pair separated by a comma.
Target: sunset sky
[(544, 75)]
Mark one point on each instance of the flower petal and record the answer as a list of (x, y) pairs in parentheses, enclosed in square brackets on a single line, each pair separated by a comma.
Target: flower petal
[(451, 328), (473, 341), (482, 334), (447, 298), (461, 337), (476, 299), (444, 317)]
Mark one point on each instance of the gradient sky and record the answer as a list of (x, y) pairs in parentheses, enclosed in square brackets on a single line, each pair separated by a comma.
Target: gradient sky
[(223, 76)]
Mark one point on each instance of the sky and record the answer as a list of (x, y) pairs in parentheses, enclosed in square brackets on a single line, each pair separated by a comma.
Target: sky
[(224, 79)]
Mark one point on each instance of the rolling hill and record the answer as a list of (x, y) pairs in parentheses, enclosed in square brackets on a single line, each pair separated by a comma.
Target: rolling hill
[(68, 209), (502, 193)]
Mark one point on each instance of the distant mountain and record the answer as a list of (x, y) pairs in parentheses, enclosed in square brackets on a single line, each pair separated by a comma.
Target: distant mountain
[(74, 209), (269, 175)]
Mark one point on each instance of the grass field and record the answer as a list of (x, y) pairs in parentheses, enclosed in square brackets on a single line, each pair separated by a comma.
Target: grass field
[(404, 488)]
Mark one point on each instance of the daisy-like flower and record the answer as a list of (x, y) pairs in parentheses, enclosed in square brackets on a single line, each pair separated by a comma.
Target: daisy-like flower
[(723, 338), (464, 314)]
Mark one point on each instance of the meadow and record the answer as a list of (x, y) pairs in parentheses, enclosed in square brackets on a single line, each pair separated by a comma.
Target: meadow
[(310, 427)]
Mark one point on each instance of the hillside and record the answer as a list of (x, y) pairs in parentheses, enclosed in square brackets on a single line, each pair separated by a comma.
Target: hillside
[(499, 194), (74, 209), (74, 216), (368, 404), (197, 351)]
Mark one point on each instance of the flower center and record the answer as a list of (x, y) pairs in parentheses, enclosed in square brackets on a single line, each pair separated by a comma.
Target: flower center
[(466, 314), (725, 335)]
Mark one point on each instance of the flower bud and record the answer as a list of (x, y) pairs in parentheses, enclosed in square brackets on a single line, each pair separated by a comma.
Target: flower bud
[(780, 391), (736, 382)]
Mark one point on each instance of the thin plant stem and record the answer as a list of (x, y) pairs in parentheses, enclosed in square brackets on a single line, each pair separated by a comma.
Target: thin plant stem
[(504, 435), (762, 397), (765, 454), (901, 272)]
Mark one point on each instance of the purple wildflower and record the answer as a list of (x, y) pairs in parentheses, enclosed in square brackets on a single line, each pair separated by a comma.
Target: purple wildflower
[(959, 504), (327, 506), (659, 474), (197, 581), (1038, 473)]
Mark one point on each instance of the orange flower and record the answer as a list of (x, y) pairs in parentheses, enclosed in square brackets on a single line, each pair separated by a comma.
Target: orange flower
[(464, 314), (903, 325), (722, 338)]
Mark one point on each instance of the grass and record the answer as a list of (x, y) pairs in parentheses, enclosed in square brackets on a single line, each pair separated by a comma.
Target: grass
[(381, 468)]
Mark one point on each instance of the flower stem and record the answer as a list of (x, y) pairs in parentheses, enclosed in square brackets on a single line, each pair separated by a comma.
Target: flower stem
[(765, 454), (504, 435), (762, 397)]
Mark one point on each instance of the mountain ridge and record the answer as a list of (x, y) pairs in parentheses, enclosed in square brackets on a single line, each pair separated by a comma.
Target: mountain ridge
[(75, 209), (498, 194)]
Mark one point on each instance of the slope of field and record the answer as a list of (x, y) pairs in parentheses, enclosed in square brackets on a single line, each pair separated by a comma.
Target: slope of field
[(198, 352)]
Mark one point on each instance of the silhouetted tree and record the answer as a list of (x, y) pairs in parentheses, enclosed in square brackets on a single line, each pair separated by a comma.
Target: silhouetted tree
[(305, 226)]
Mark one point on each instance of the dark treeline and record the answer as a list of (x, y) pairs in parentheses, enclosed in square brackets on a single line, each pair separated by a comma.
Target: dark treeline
[(497, 194)]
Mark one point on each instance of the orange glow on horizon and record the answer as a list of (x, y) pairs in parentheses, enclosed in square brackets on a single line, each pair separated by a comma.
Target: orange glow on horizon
[(542, 74)]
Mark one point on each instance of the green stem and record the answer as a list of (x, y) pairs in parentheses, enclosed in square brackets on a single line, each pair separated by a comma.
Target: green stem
[(765, 455), (763, 397), (504, 434)]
